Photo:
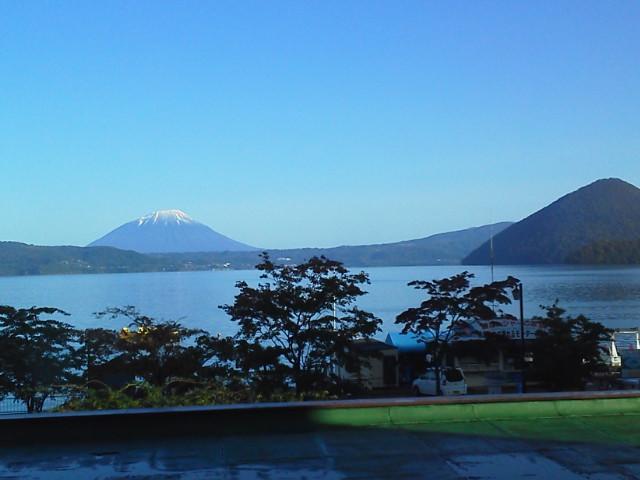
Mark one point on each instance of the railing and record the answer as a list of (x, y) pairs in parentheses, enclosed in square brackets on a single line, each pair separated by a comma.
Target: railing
[(10, 405)]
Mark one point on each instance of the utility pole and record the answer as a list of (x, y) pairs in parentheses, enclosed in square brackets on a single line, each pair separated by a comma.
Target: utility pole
[(492, 253)]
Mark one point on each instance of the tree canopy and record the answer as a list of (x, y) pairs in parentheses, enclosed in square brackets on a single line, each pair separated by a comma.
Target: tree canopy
[(450, 303), (567, 350), (155, 351), (37, 356), (300, 319)]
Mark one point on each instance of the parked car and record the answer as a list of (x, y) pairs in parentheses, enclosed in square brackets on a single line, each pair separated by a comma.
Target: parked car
[(451, 382)]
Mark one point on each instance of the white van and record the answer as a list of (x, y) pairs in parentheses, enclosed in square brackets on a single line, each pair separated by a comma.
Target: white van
[(451, 382)]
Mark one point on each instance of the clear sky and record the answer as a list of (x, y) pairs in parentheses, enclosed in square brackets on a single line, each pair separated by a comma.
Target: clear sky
[(286, 124)]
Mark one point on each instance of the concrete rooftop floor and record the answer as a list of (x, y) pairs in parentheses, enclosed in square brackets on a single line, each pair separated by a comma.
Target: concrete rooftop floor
[(597, 448)]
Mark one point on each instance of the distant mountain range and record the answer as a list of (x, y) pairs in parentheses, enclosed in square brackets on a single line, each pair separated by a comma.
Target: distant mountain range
[(441, 249), (599, 223), (168, 231)]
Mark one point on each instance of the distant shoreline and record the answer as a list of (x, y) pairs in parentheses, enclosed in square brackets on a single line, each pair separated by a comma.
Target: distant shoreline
[(354, 267)]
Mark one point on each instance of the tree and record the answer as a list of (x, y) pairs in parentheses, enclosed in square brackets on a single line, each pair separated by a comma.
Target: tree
[(218, 355), (451, 304), (152, 350), (567, 351), (99, 351), (288, 321), (37, 356), (263, 366)]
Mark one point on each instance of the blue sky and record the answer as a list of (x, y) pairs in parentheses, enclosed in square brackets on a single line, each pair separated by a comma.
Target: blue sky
[(286, 124)]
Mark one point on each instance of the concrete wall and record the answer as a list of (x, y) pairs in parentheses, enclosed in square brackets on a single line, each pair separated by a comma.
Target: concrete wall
[(307, 416)]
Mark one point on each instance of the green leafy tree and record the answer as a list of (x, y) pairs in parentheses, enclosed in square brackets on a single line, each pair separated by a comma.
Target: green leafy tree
[(152, 350), (567, 350), (263, 367), (288, 325), (450, 304), (100, 353), (218, 356), (37, 356)]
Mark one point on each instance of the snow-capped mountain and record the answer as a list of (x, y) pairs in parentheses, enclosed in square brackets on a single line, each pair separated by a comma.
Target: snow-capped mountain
[(168, 231)]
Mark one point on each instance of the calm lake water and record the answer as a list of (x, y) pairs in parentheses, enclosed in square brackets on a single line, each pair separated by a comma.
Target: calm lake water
[(610, 295)]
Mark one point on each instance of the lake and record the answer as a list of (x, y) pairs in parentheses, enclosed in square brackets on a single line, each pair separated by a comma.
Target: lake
[(610, 295)]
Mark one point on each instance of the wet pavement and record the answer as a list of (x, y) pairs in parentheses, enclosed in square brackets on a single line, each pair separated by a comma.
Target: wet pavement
[(596, 448)]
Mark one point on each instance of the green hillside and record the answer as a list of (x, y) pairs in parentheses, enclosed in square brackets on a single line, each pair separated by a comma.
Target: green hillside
[(608, 252), (22, 259)]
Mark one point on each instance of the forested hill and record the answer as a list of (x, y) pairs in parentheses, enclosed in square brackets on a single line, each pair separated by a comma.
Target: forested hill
[(608, 252), (441, 249), (604, 211), (22, 259)]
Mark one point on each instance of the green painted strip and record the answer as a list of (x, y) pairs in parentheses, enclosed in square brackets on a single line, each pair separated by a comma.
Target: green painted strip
[(598, 407), (470, 412), (417, 414), (512, 411), (352, 417)]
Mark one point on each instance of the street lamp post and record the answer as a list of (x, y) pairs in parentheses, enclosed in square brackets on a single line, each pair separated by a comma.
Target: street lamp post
[(522, 343), (333, 362)]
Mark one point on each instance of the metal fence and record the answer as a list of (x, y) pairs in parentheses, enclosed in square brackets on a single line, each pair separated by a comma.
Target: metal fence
[(10, 405)]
